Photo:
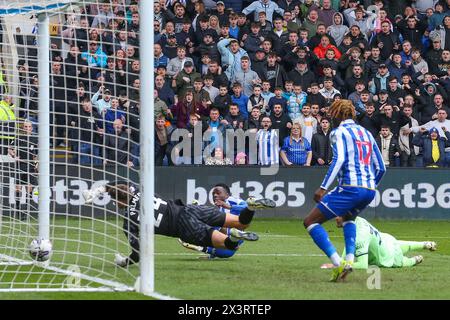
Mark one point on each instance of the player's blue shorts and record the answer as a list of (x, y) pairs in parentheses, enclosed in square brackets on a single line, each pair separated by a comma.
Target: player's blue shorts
[(345, 199)]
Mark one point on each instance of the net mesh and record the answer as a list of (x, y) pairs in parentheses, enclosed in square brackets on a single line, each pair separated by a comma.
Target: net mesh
[(94, 121)]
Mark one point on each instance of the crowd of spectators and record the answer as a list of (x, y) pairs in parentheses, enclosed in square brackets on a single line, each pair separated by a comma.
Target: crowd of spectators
[(268, 69), (273, 67)]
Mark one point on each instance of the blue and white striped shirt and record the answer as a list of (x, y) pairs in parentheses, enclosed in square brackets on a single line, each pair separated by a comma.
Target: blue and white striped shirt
[(268, 147), (232, 201), (357, 161)]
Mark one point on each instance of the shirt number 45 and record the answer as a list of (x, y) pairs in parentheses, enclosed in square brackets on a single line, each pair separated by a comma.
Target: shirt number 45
[(364, 152)]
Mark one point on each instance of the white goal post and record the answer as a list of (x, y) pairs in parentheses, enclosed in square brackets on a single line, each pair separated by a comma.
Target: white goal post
[(59, 60)]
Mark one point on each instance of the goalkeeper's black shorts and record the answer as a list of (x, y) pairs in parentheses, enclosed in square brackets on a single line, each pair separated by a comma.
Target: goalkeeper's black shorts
[(197, 223)]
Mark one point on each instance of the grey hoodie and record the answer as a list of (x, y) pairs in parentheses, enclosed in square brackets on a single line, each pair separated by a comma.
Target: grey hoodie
[(337, 31)]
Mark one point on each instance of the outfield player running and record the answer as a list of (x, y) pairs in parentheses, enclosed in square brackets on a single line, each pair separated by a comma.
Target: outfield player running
[(191, 223), (380, 249), (358, 165), (228, 204)]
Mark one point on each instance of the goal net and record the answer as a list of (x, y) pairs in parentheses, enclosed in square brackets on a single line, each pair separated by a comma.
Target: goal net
[(81, 60)]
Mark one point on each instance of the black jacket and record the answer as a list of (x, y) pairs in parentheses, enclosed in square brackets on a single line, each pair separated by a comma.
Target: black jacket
[(304, 80), (321, 147)]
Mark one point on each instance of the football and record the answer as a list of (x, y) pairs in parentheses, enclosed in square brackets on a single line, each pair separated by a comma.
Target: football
[(41, 249)]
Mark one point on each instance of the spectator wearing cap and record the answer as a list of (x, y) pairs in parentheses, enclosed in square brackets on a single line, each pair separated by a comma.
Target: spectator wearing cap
[(380, 81), (268, 6), (301, 75), (433, 55), (185, 78), (443, 32), (247, 77), (95, 57), (433, 146), (383, 99), (176, 64), (231, 54), (221, 13), (170, 47)]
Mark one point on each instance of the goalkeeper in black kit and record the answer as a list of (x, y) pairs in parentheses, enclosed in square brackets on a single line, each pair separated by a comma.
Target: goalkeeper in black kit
[(193, 224)]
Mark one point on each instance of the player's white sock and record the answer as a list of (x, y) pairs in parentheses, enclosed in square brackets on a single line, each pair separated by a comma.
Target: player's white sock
[(335, 259), (350, 257)]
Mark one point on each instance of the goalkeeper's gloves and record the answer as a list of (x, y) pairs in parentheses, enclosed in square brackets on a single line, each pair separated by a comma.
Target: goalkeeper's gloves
[(120, 260), (90, 195)]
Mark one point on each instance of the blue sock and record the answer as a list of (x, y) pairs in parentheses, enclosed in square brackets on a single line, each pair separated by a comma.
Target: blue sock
[(349, 237), (320, 237), (210, 250)]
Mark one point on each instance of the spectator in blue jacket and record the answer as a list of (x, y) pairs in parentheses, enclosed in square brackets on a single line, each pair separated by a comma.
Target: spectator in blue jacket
[(95, 57)]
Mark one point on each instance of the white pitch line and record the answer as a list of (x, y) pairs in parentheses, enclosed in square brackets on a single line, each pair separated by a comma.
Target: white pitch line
[(246, 254)]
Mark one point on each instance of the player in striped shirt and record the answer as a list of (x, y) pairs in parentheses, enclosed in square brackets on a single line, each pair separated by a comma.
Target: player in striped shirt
[(358, 166)]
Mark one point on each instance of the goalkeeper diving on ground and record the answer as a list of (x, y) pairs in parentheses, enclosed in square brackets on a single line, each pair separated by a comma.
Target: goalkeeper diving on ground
[(194, 224), (375, 248)]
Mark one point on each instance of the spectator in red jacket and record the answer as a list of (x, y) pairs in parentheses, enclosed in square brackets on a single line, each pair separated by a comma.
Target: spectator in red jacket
[(321, 50)]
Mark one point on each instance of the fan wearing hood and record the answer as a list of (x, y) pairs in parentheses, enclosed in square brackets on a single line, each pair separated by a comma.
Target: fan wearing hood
[(433, 146), (337, 30)]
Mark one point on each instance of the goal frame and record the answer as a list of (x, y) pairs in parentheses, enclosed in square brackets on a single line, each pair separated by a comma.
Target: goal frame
[(145, 283)]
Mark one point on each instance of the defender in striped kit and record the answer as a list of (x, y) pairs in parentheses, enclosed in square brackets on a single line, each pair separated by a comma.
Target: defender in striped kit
[(358, 166)]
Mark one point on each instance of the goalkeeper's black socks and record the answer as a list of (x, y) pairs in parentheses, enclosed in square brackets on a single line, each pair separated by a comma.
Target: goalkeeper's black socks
[(246, 216), (231, 245)]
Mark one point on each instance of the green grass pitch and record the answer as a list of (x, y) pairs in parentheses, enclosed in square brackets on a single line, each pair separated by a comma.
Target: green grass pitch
[(284, 264)]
